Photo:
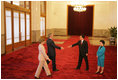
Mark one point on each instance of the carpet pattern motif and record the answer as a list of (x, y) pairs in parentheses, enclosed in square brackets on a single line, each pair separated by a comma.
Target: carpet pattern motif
[(22, 64)]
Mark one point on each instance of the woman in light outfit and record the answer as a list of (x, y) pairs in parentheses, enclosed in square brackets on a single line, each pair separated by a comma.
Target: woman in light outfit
[(42, 59)]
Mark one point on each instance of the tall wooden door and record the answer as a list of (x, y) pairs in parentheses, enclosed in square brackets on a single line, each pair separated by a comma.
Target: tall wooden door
[(17, 25), (8, 30), (80, 22), (28, 29), (16, 29)]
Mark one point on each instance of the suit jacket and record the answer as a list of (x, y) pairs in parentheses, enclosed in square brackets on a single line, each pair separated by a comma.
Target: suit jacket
[(83, 48), (51, 48), (42, 53), (101, 52)]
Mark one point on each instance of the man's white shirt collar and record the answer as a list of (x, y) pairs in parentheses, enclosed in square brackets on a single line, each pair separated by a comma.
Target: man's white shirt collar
[(82, 41)]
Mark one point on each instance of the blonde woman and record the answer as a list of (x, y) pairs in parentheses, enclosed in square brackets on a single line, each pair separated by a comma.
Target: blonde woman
[(42, 59)]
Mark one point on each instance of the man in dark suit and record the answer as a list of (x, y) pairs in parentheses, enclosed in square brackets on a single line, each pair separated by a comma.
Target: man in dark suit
[(51, 51), (83, 51)]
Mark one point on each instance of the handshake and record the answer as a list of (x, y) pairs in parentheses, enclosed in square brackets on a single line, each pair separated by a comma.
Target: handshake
[(67, 47)]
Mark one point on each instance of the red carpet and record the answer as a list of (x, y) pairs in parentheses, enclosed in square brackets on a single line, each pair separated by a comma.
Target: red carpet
[(23, 63)]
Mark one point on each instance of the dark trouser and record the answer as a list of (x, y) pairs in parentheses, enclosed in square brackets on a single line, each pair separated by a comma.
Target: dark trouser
[(80, 61), (53, 62)]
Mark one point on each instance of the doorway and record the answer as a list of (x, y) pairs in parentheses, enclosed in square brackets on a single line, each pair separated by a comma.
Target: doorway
[(80, 22), (17, 24)]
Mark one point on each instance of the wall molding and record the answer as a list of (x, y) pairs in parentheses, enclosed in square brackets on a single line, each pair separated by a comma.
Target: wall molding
[(57, 31), (101, 32), (2, 44), (35, 35), (63, 32)]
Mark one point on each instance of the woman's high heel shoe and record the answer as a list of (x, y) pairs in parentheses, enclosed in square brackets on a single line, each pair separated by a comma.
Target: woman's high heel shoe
[(102, 73), (50, 75), (36, 77), (97, 72)]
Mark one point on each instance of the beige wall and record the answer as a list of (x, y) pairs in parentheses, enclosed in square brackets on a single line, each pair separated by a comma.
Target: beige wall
[(35, 11), (56, 14), (105, 14), (2, 29), (2, 18)]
